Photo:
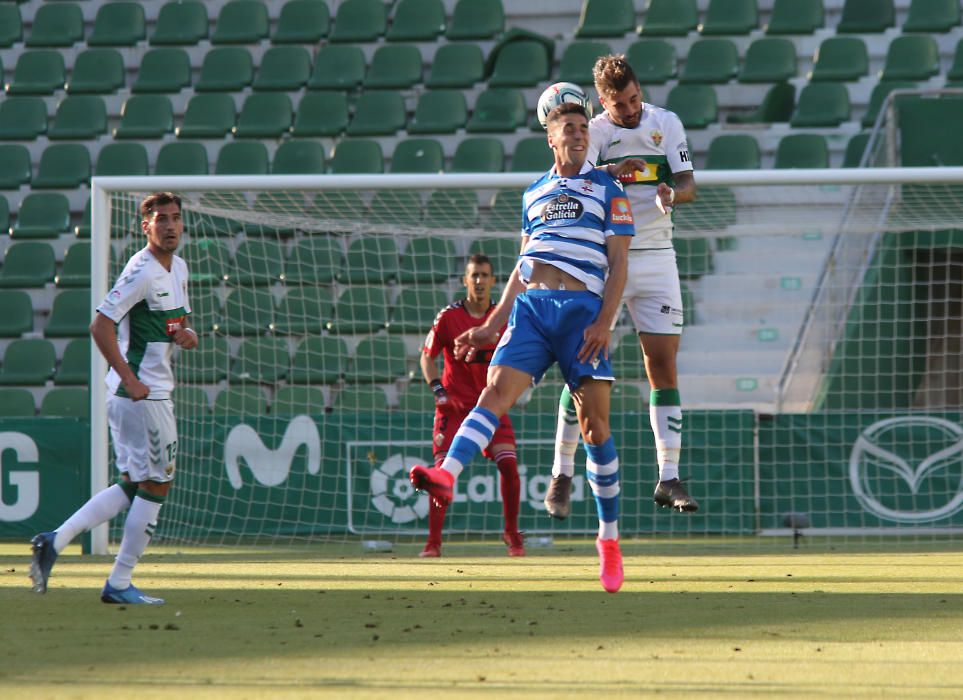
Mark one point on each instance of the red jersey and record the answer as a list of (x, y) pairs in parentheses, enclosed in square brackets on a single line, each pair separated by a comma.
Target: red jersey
[(462, 380)]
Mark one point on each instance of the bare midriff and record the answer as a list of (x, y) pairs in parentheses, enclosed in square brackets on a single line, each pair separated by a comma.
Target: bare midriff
[(546, 276)]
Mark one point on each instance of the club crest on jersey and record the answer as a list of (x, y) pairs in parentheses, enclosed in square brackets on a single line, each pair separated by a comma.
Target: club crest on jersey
[(561, 209), (621, 212), (587, 187), (656, 137)]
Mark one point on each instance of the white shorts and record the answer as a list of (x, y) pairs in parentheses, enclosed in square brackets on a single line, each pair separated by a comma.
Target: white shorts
[(145, 437), (653, 293)]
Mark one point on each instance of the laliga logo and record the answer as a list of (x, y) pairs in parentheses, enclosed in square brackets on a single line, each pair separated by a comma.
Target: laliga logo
[(270, 467), (906, 432), (393, 495)]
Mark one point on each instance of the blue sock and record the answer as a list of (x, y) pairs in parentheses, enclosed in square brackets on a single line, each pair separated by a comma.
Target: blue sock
[(475, 432), (602, 466)]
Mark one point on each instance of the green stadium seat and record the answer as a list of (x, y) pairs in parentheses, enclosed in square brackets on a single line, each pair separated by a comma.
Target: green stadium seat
[(82, 230), (56, 24), (912, 57), (521, 63), (733, 152), (456, 66), (932, 16), (855, 148), (711, 61), (42, 215), (416, 400), (207, 117), (417, 20), (360, 399), (653, 60), (544, 399), (769, 60), (337, 68), (427, 259), (265, 116), (802, 17), (70, 315), (38, 73), (313, 261), (299, 157), (11, 25), (28, 264), (165, 69), (822, 104), (627, 398), (17, 317), (416, 308), (878, 96), (478, 154), (730, 17), (695, 105), (714, 209), (283, 68), (321, 114), (626, 359), (954, 74), (191, 402), (532, 155), (22, 118), (456, 209), (777, 106), (247, 312), (476, 19), (14, 166), (505, 213), (302, 22), (318, 359), (578, 60), (4, 214), (439, 112), (866, 16), (257, 263), (74, 366), (502, 251), (76, 267), (396, 208), (394, 66), (239, 158), (241, 22), (17, 402), (298, 400), (207, 363), (670, 18), (66, 402), (118, 24), (498, 110), (180, 23), (606, 18), (378, 113), (358, 21), (360, 309), (225, 69), (841, 59), (802, 151), (145, 117), (370, 259), (377, 359), (694, 257), (260, 361), (96, 71), (304, 311), (240, 401), (357, 156), (206, 314), (418, 156), (79, 117), (182, 159)]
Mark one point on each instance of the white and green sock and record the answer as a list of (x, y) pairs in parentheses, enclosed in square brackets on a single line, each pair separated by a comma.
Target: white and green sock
[(138, 529), (99, 509), (566, 436), (665, 415)]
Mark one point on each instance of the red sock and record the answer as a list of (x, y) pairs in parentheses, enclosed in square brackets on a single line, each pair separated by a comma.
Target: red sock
[(511, 488), (436, 521)]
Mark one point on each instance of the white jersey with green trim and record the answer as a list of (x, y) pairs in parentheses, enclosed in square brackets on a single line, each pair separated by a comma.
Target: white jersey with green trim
[(660, 141), (148, 303)]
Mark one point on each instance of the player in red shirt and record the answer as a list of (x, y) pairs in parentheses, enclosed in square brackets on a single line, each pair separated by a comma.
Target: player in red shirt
[(456, 393)]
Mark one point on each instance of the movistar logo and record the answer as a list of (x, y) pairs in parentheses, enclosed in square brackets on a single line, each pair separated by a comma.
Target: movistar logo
[(270, 467)]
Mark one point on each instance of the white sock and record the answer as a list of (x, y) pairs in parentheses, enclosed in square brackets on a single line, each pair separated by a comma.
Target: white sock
[(665, 416), (99, 509), (138, 529), (566, 437)]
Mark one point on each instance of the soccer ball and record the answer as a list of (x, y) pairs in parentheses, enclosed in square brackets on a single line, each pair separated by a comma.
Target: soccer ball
[(558, 93)]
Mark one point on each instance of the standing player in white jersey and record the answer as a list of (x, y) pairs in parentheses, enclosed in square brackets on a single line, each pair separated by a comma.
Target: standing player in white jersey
[(645, 147), (136, 328)]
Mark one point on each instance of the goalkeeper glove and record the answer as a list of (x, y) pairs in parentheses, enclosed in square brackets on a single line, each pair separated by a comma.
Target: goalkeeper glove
[(443, 402)]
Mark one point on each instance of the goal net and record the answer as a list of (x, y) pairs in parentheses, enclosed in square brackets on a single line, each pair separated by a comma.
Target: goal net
[(819, 368)]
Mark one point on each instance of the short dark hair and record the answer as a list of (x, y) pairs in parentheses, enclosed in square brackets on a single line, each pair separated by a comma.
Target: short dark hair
[(613, 73), (565, 108), (479, 259), (157, 199)]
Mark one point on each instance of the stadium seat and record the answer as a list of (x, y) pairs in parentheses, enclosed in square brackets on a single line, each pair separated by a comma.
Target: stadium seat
[(416, 400), (247, 312), (4, 214), (802, 17), (206, 311), (932, 16), (476, 19), (777, 106), (377, 359), (357, 156), (521, 63), (394, 66), (207, 117), (240, 401), (878, 96), (182, 159), (283, 68), (302, 22), (439, 112), (11, 25), (74, 366), (821, 104), (257, 263), (260, 361), (427, 259), (265, 116), (606, 18), (733, 152), (770, 60), (180, 22), (66, 402), (225, 69), (298, 400), (478, 154), (415, 308), (165, 69), (417, 20), (299, 157), (70, 315), (42, 215), (239, 158), (456, 66), (913, 57), (56, 24), (532, 155), (626, 360), (670, 18), (378, 113), (627, 398), (498, 110), (730, 17), (241, 22), (455, 209), (313, 261), (79, 117), (505, 213), (191, 402), (418, 156), (358, 21), (321, 114), (28, 264), (855, 148), (208, 362), (653, 60), (695, 105), (396, 208), (145, 117), (360, 399), (118, 24), (17, 317), (953, 75), (866, 16), (694, 257), (22, 118), (318, 359), (304, 311), (714, 210), (96, 71), (17, 402), (337, 68), (76, 268), (14, 166), (360, 309), (710, 61), (502, 251), (840, 58), (802, 151), (38, 73), (370, 259), (578, 60)]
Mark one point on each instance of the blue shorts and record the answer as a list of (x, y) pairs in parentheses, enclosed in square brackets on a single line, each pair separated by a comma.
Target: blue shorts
[(547, 326)]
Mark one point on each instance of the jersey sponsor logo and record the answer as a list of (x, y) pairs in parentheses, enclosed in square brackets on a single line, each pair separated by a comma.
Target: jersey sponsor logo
[(163, 294), (684, 156), (650, 174), (174, 325), (562, 208), (656, 136), (621, 212)]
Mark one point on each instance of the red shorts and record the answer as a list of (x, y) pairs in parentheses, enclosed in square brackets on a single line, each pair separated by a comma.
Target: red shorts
[(446, 425)]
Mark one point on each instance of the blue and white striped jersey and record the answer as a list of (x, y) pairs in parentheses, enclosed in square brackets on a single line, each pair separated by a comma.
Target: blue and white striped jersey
[(569, 219)]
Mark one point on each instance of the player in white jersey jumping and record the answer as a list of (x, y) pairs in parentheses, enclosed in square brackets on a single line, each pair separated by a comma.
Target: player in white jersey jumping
[(136, 328), (645, 147)]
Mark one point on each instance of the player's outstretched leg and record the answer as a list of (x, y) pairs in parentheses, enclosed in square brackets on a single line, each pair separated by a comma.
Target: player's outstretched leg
[(127, 596), (438, 483), (44, 556), (672, 494), (665, 415)]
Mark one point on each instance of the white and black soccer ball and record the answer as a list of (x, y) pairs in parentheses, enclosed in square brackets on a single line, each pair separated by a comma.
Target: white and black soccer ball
[(558, 93)]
